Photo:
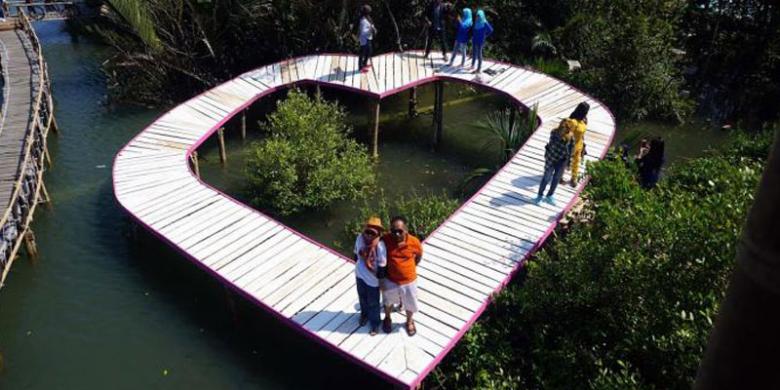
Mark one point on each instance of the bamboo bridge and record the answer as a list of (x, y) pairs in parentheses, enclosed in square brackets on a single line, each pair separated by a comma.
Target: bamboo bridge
[(308, 286), (26, 118)]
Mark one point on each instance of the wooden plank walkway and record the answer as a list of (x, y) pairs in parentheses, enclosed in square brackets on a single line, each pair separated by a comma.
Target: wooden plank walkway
[(20, 75), (310, 287)]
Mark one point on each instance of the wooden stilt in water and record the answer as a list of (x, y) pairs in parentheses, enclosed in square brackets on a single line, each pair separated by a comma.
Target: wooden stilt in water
[(54, 126), (47, 156), (221, 139), (243, 125), (413, 102), (194, 159), (375, 138), (438, 117), (45, 195), (30, 245)]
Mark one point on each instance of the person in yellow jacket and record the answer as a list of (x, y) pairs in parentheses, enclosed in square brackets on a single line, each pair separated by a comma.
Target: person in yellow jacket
[(578, 122)]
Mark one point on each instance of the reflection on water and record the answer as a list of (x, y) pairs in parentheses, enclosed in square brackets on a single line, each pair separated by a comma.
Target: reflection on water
[(100, 309)]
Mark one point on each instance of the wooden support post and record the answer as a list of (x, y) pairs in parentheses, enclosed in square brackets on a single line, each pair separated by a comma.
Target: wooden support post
[(243, 125), (47, 156), (221, 139), (194, 159), (375, 140), (413, 102), (45, 198), (30, 245), (54, 127), (438, 114)]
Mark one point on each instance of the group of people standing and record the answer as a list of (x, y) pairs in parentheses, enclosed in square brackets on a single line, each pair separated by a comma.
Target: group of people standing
[(566, 149), (386, 263), (436, 19)]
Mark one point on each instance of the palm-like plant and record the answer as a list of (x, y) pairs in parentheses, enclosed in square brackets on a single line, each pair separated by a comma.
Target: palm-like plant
[(508, 134)]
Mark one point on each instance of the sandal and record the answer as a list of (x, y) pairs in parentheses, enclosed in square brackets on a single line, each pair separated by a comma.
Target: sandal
[(387, 325), (411, 330), (373, 331)]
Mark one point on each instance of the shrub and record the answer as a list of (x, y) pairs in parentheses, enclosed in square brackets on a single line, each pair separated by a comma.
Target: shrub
[(424, 213), (625, 300), (307, 161)]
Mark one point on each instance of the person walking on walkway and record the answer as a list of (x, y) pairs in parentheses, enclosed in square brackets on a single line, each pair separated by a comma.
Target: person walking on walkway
[(482, 30), (462, 37), (578, 121), (404, 252), (650, 163), (434, 18), (366, 36), (370, 256), (556, 158)]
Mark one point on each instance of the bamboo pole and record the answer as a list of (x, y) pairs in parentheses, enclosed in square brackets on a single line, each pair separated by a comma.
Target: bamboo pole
[(243, 125), (413, 102), (45, 198), (29, 244), (194, 159), (375, 140), (222, 151), (438, 115)]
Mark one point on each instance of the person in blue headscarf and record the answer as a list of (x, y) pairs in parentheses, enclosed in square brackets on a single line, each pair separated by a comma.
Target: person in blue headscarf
[(462, 37), (482, 29)]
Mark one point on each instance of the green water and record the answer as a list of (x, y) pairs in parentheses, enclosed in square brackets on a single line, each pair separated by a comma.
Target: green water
[(100, 309)]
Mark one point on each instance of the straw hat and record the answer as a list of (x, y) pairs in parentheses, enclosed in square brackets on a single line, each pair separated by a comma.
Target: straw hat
[(375, 223)]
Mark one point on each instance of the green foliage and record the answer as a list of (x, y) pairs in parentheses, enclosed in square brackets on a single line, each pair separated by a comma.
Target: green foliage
[(424, 213), (627, 299), (625, 51), (505, 136), (307, 161)]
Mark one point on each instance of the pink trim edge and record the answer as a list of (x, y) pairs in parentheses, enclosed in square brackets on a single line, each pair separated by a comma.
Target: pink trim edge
[(288, 321)]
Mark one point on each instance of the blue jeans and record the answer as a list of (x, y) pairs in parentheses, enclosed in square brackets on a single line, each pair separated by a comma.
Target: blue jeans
[(369, 302), (365, 54), (552, 171), (459, 47), (476, 54)]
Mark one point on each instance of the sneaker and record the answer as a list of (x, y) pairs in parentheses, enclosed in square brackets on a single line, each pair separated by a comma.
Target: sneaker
[(549, 200), (538, 200)]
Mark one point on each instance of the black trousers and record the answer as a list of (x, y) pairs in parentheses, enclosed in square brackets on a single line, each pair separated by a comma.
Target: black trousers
[(441, 35), (365, 53)]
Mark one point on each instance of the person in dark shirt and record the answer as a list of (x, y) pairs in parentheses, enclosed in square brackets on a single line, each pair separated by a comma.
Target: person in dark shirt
[(650, 163), (434, 18)]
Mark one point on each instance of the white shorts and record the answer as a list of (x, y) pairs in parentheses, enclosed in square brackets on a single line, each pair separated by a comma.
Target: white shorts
[(394, 294)]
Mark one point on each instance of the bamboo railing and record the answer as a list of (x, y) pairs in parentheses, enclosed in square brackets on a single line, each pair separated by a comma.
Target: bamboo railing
[(16, 219)]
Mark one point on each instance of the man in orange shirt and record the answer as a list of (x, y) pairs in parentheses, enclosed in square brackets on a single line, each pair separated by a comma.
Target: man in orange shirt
[(404, 252)]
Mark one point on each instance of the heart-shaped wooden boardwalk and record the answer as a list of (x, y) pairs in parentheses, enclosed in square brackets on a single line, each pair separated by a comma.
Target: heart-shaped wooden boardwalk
[(310, 287)]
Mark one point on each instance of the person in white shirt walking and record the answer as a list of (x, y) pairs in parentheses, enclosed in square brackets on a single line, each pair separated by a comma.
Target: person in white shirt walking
[(366, 36)]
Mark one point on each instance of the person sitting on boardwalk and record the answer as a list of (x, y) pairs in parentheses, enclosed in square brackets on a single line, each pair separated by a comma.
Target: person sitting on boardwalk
[(556, 158), (434, 18), (578, 120), (404, 252), (482, 29), (650, 163), (370, 256), (462, 37), (366, 36)]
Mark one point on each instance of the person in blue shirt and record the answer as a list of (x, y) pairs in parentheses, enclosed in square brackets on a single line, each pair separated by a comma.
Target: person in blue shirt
[(482, 30), (462, 37)]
